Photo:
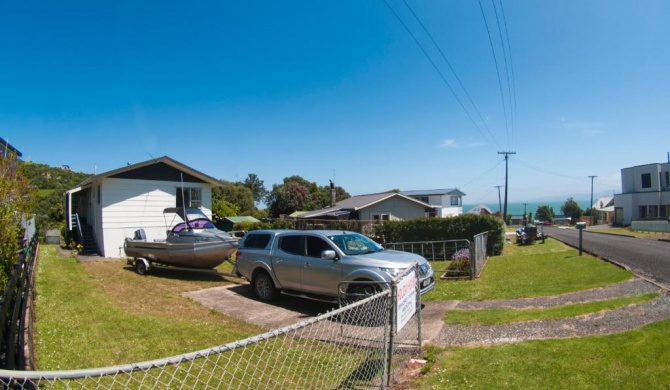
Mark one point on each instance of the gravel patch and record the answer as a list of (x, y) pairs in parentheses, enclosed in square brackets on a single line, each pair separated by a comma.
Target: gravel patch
[(601, 323), (631, 287)]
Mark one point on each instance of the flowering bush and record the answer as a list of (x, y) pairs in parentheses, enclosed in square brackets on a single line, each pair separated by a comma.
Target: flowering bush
[(461, 260)]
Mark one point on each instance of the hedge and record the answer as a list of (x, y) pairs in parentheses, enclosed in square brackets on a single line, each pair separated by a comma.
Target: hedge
[(425, 229)]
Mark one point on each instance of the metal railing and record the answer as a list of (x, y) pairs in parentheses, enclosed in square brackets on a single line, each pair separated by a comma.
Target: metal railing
[(450, 258), (16, 313)]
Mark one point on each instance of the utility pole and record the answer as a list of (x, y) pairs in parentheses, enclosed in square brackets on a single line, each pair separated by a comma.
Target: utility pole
[(499, 201), (506, 181), (524, 212), (591, 204)]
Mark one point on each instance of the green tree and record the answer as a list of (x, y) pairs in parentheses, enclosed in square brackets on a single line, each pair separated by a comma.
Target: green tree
[(571, 209), (232, 199), (17, 199), (256, 186), (544, 213), (298, 194)]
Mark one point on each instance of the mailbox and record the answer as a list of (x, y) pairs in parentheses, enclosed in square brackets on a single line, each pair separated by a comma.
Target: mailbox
[(581, 225)]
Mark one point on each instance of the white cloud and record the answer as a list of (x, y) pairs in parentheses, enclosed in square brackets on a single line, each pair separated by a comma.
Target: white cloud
[(448, 143)]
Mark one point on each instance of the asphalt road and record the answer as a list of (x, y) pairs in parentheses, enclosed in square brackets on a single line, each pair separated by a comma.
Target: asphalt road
[(646, 257)]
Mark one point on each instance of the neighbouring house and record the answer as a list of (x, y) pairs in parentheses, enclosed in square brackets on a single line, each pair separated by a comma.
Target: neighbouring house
[(604, 210), (106, 208), (482, 209), (228, 223), (645, 194), (447, 202), (6, 149), (385, 206)]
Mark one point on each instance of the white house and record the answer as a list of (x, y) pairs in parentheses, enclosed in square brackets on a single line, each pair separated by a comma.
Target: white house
[(645, 193), (447, 202), (106, 208), (604, 208)]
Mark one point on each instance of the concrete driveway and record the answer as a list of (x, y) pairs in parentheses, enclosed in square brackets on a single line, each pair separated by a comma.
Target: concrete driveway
[(238, 301)]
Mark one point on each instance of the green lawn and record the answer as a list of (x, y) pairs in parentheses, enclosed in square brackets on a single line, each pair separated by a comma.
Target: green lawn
[(530, 271), (100, 314), (638, 359)]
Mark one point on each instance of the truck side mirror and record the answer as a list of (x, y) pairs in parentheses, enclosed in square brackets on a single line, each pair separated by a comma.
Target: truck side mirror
[(328, 254)]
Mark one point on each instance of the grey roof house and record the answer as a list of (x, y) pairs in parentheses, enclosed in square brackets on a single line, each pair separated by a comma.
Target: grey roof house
[(385, 206)]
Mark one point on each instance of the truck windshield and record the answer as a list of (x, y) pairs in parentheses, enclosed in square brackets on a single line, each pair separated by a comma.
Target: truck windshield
[(355, 244)]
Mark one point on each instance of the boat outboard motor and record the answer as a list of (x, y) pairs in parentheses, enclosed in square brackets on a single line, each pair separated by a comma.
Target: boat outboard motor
[(140, 235)]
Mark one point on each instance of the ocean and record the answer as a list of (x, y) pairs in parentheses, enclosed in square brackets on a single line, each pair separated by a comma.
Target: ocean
[(516, 208)]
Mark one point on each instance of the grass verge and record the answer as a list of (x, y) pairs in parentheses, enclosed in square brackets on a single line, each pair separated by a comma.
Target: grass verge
[(103, 313), (531, 271), (502, 316), (638, 359)]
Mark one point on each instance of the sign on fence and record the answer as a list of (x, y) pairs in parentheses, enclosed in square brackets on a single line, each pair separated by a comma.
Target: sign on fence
[(406, 300)]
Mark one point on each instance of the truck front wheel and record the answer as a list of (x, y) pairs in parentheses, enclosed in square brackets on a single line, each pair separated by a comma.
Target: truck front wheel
[(264, 288)]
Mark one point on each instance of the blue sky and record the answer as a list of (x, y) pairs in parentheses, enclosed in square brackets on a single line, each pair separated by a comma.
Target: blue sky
[(340, 89)]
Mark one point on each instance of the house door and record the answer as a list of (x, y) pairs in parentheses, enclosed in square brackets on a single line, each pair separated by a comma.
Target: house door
[(618, 216)]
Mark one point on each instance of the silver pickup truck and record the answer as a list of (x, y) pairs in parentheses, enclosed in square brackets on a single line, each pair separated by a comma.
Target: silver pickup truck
[(313, 263)]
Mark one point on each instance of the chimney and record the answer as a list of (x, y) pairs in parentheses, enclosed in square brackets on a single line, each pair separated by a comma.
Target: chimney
[(332, 194)]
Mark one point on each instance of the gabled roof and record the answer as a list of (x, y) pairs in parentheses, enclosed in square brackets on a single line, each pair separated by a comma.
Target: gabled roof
[(606, 202), (359, 202), (478, 209), (161, 160), (4, 145), (443, 191)]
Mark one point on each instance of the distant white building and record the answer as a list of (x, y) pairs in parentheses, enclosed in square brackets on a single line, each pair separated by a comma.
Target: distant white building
[(448, 202), (645, 194), (604, 209)]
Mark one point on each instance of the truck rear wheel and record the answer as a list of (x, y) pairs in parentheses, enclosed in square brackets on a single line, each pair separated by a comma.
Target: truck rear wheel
[(264, 288)]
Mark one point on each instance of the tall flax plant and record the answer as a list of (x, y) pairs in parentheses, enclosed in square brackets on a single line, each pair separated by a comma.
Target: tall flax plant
[(16, 200)]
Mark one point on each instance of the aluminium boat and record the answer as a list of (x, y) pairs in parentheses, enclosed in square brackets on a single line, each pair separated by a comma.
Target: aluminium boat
[(193, 243)]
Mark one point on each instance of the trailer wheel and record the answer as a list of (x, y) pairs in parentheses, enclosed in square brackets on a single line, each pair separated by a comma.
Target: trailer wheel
[(141, 267)]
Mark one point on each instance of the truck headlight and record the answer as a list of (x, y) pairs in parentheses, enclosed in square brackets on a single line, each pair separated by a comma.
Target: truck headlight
[(392, 271)]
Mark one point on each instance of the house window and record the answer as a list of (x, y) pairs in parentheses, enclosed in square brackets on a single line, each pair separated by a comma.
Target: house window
[(189, 197), (455, 200), (653, 211), (376, 218), (646, 180), (423, 199), (667, 180), (643, 212)]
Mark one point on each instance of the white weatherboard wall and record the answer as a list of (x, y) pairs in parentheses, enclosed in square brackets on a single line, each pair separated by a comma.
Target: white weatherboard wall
[(398, 207), (130, 204)]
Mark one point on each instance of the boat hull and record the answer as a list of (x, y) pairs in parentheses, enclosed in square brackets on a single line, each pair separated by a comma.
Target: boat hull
[(203, 255)]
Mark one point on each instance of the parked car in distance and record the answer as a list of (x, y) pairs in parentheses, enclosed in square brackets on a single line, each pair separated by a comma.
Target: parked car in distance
[(313, 263)]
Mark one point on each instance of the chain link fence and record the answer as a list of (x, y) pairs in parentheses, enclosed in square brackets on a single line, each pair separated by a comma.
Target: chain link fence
[(449, 258), (362, 345)]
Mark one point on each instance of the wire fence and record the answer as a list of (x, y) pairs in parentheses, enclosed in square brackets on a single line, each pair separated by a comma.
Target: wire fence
[(450, 258), (16, 305), (362, 345)]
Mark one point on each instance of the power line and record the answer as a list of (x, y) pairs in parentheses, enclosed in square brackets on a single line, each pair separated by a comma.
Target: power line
[(444, 57), (437, 70), (480, 176), (511, 65), (495, 60), (507, 72)]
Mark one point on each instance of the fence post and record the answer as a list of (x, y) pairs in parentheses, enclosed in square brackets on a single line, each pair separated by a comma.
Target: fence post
[(386, 382)]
